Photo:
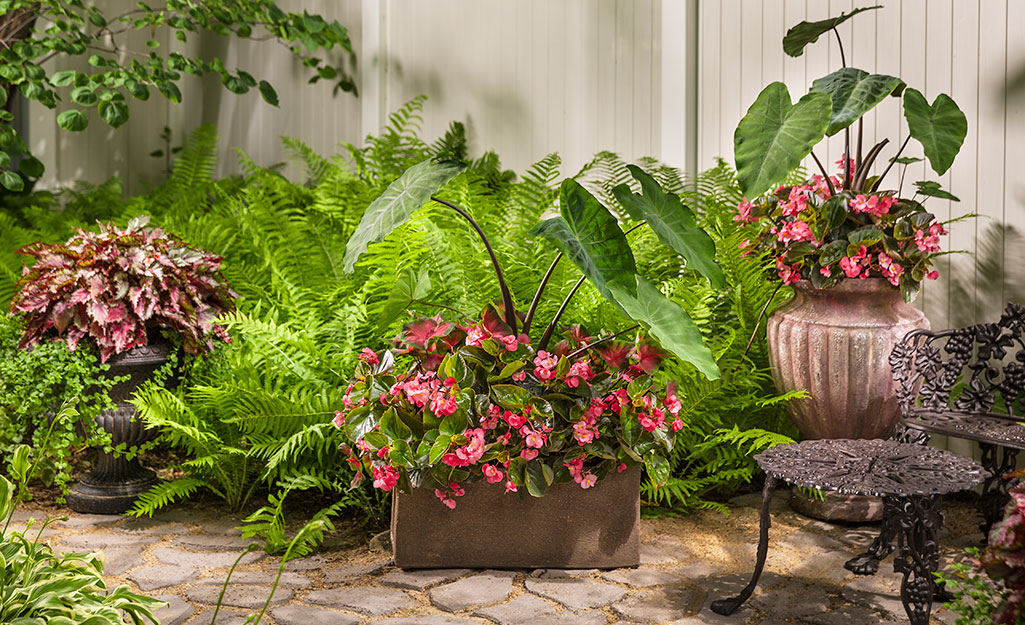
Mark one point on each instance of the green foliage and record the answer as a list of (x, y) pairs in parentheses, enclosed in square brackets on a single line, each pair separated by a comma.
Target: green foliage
[(40, 587), (36, 31), (976, 597), (33, 386)]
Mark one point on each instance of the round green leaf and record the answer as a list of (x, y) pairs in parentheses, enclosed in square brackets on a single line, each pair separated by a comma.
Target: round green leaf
[(114, 113), (12, 181), (72, 120)]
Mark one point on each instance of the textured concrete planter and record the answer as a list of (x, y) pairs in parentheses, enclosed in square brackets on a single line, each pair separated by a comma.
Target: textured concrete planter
[(569, 528), (836, 343)]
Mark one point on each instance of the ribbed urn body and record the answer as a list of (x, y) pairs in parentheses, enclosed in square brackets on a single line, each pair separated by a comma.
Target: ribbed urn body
[(835, 343)]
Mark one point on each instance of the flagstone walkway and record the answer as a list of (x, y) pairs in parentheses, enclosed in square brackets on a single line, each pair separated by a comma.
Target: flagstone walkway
[(182, 557)]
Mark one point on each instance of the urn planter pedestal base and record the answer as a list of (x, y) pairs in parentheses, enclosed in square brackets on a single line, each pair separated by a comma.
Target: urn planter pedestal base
[(568, 528)]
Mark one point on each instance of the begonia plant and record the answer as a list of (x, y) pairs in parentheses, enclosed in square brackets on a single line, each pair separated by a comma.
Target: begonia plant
[(478, 403), (846, 226), (494, 400), (112, 286)]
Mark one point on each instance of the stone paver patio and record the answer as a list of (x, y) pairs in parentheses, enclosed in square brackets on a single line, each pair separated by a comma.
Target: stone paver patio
[(182, 557)]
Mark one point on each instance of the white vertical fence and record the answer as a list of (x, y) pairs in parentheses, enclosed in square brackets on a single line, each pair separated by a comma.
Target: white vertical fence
[(666, 78)]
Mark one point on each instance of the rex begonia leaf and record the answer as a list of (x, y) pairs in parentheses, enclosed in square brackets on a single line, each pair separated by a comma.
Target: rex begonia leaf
[(673, 222), (589, 235), (775, 135), (804, 33), (854, 92), (667, 321), (940, 127), (391, 209)]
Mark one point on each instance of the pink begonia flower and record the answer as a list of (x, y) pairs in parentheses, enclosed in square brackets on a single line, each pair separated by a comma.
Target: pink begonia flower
[(583, 433), (528, 454), (932, 275), (490, 420), (588, 481), (510, 342), (339, 419), (445, 499), (795, 231), (519, 376), (368, 356), (493, 474), (546, 360), (385, 477), (825, 271), (819, 185), (677, 424), (745, 245), (840, 164), (382, 452), (786, 273), (621, 468), (535, 440), (514, 420), (890, 270), (510, 487), (576, 468), (475, 335), (671, 401), (931, 242), (796, 202), (744, 215), (443, 405), (456, 489)]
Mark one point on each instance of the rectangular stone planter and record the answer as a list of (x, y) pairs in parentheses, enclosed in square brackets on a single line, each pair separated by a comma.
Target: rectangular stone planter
[(568, 528)]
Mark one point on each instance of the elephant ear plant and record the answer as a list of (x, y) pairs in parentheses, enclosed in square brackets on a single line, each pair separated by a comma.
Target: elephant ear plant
[(849, 225), (493, 400)]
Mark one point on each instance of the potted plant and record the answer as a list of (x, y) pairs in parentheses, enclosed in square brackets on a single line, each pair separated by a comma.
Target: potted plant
[(460, 417), (855, 251), (136, 294)]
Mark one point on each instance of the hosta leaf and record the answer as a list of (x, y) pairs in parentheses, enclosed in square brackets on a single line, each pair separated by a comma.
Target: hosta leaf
[(667, 320), (393, 208), (804, 33), (940, 128), (589, 235), (775, 135), (673, 222), (854, 92)]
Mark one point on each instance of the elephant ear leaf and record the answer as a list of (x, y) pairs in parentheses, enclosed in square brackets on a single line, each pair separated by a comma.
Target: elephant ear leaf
[(854, 92), (940, 128), (775, 135), (666, 320), (391, 209), (589, 235), (804, 33), (673, 223)]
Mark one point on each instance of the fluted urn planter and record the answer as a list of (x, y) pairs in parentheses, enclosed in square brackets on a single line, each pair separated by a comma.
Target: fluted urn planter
[(113, 485), (835, 343)]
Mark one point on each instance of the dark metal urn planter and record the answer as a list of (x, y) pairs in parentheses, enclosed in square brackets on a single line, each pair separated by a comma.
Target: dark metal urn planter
[(568, 528), (836, 343), (113, 485)]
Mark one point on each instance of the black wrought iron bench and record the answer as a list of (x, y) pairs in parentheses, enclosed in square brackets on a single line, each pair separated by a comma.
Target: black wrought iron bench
[(966, 383)]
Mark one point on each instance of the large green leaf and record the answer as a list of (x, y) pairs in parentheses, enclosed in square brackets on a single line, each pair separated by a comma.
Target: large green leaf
[(940, 128), (392, 209), (408, 287), (854, 92), (589, 235), (667, 321), (673, 222), (808, 32), (775, 135)]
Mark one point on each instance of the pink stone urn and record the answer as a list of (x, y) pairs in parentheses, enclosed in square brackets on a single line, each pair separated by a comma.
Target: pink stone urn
[(835, 343)]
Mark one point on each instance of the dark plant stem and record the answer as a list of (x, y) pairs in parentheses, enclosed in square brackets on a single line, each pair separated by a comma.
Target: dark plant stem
[(829, 181), (547, 336), (843, 60), (758, 321), (870, 160), (510, 312), (537, 295), (604, 339), (857, 158), (847, 157), (895, 157)]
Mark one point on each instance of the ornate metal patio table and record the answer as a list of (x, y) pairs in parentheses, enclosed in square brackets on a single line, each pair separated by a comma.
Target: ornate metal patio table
[(910, 478)]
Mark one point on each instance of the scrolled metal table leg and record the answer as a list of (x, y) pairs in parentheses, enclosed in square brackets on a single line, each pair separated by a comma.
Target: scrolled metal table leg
[(726, 607), (918, 524), (994, 489), (868, 563)]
